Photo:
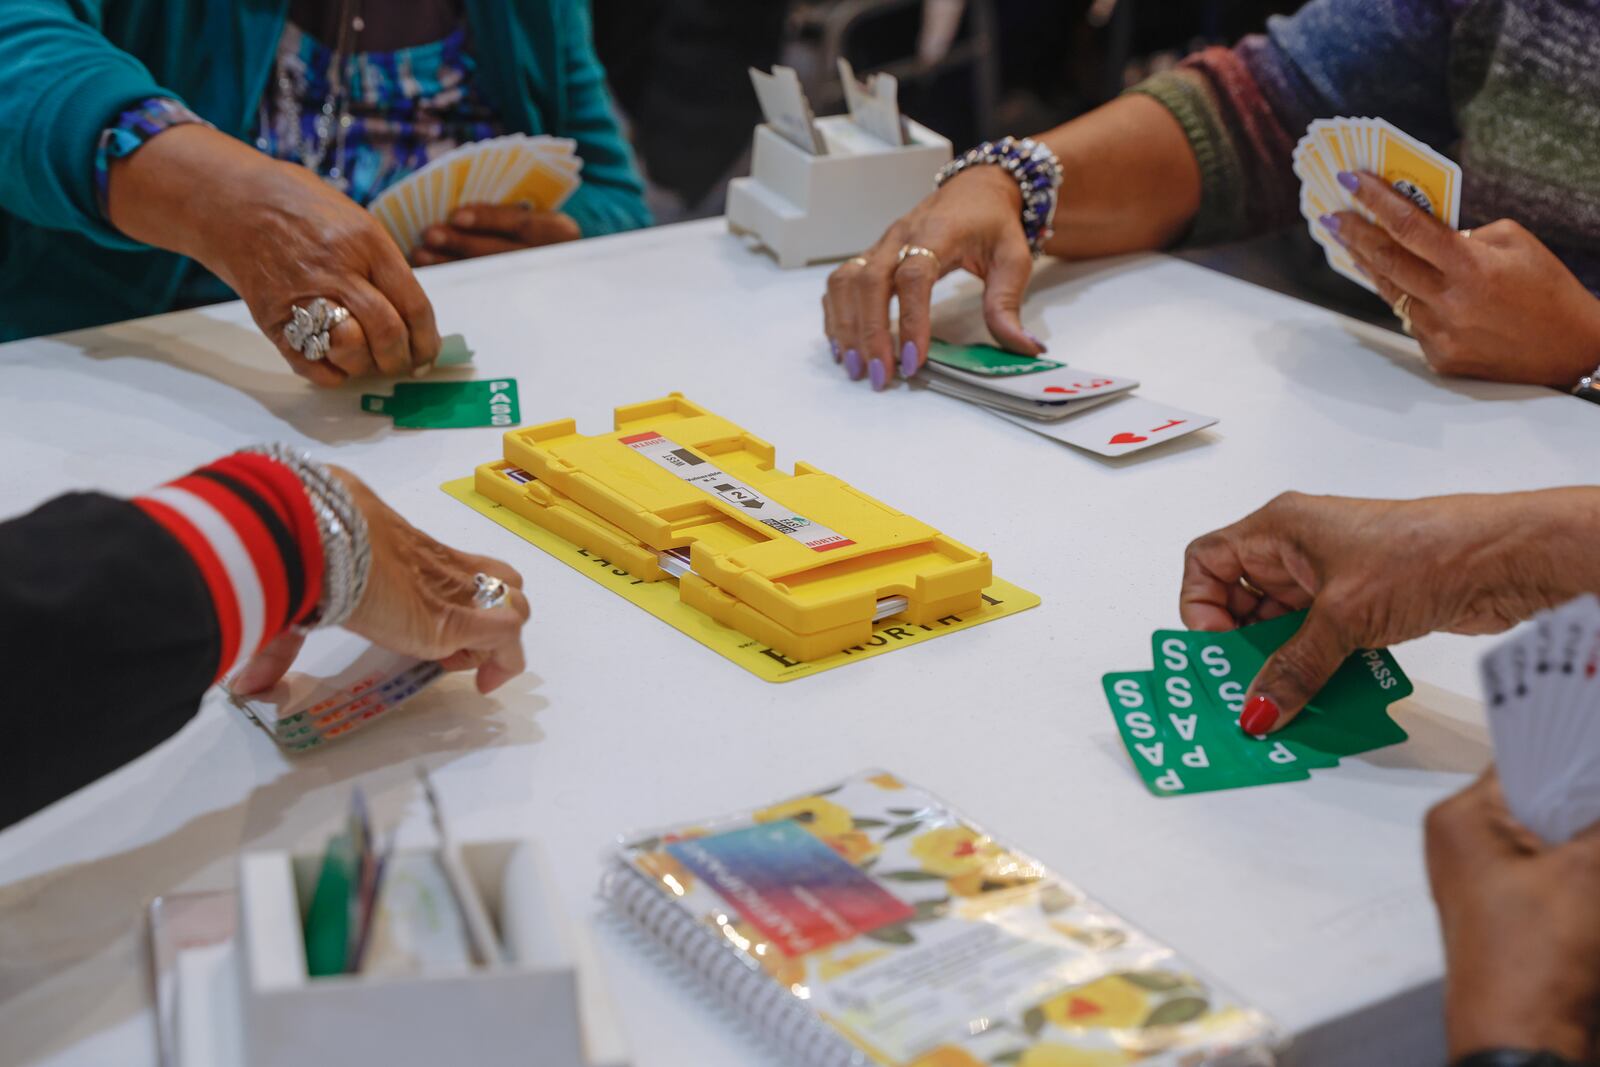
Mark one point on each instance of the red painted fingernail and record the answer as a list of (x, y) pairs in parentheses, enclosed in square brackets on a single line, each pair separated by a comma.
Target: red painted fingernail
[(1260, 715)]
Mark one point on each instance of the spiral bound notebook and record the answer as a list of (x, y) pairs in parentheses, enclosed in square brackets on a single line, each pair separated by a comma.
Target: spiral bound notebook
[(868, 924)]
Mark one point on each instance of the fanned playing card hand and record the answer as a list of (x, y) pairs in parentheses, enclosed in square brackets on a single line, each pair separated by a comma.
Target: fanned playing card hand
[(539, 171), (1346, 145), (1542, 689)]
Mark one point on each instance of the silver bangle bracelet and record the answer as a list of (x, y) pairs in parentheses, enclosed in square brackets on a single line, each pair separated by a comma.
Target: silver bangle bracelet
[(346, 546)]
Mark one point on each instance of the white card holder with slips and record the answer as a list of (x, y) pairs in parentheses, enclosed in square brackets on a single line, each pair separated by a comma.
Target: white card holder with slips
[(237, 994), (813, 207)]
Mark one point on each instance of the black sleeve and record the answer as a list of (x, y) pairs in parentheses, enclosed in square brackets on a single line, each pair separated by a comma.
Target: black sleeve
[(108, 639)]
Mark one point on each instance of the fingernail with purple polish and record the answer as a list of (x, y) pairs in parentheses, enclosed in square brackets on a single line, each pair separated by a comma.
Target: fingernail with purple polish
[(908, 359), (1349, 181), (837, 355), (1035, 340), (1331, 224), (880, 375), (852, 365)]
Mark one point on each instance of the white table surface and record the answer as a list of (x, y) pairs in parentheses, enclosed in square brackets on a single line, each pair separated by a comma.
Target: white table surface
[(1309, 899)]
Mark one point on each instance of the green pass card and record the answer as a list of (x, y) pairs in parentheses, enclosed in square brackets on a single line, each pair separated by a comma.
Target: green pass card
[(1180, 721), (448, 405), (987, 360)]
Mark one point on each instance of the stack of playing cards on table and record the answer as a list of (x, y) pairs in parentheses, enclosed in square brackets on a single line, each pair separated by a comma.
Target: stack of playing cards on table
[(339, 683), (541, 172), (1345, 145), (1051, 398), (1180, 721), (1543, 697)]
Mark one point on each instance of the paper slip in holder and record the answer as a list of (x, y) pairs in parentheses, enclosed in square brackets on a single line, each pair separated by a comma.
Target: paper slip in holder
[(814, 208), (546, 1004)]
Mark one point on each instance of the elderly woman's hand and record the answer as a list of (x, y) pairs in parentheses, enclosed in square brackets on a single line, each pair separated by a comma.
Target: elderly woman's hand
[(489, 229), (1496, 304), (279, 236), (1377, 572), (973, 221), (1520, 927), (418, 601)]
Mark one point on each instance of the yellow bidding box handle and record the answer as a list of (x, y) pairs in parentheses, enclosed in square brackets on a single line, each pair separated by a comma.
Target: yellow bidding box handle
[(806, 551)]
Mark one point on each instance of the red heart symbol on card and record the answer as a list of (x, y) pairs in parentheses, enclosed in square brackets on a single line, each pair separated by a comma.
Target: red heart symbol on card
[(1059, 389), (1127, 439)]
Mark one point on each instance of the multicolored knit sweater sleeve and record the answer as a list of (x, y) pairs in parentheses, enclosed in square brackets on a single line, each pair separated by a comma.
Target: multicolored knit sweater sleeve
[(1244, 108)]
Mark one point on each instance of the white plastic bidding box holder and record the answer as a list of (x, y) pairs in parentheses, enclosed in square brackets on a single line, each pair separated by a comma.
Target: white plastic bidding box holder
[(813, 208), (546, 1003)]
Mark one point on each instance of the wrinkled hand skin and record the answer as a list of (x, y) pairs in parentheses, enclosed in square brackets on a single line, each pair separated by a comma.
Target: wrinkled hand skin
[(279, 236), (490, 229), (1520, 925), (1378, 572), (973, 222), (418, 602)]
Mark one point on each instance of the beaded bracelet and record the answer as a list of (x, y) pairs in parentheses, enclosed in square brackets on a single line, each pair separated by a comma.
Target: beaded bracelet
[(346, 547), (1037, 172)]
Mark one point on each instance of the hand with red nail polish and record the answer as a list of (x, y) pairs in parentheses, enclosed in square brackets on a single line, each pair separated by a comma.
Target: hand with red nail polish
[(1377, 572)]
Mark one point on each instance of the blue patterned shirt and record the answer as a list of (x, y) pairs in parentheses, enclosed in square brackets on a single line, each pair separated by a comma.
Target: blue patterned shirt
[(406, 107)]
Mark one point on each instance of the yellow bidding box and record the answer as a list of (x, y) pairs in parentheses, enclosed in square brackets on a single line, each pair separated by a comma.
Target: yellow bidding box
[(803, 562)]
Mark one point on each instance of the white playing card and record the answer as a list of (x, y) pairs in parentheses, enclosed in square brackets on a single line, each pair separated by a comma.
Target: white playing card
[(1130, 424), (1030, 409), (1047, 386)]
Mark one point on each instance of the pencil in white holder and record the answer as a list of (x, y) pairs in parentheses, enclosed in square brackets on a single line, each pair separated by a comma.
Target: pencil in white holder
[(545, 1003), (814, 208)]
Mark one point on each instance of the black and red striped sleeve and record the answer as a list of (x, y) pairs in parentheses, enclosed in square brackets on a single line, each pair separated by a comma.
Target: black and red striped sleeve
[(117, 615)]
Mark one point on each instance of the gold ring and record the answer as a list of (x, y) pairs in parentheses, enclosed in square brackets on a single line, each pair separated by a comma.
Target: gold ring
[(918, 250), (1402, 311), (857, 261), (1250, 587)]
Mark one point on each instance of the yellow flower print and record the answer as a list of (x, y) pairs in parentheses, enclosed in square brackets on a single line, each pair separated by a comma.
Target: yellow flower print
[(854, 846), (993, 878), (951, 851), (819, 815), (946, 1056), (835, 967), (1109, 1003), (973, 863), (1096, 938), (1066, 1056), (887, 781)]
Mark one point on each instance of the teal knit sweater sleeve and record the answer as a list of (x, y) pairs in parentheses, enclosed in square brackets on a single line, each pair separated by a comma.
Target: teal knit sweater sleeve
[(61, 83), (611, 198)]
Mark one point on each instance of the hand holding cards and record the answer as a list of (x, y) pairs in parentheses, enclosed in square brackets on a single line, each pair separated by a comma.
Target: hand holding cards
[(1542, 690), (1050, 398), (340, 683), (1344, 146), (541, 172), (1180, 721)]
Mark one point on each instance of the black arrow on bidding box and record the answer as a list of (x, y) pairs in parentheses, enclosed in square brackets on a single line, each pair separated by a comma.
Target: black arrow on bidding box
[(728, 490)]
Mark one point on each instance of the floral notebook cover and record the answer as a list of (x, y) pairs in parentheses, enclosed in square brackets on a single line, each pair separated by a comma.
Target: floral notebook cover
[(870, 924)]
